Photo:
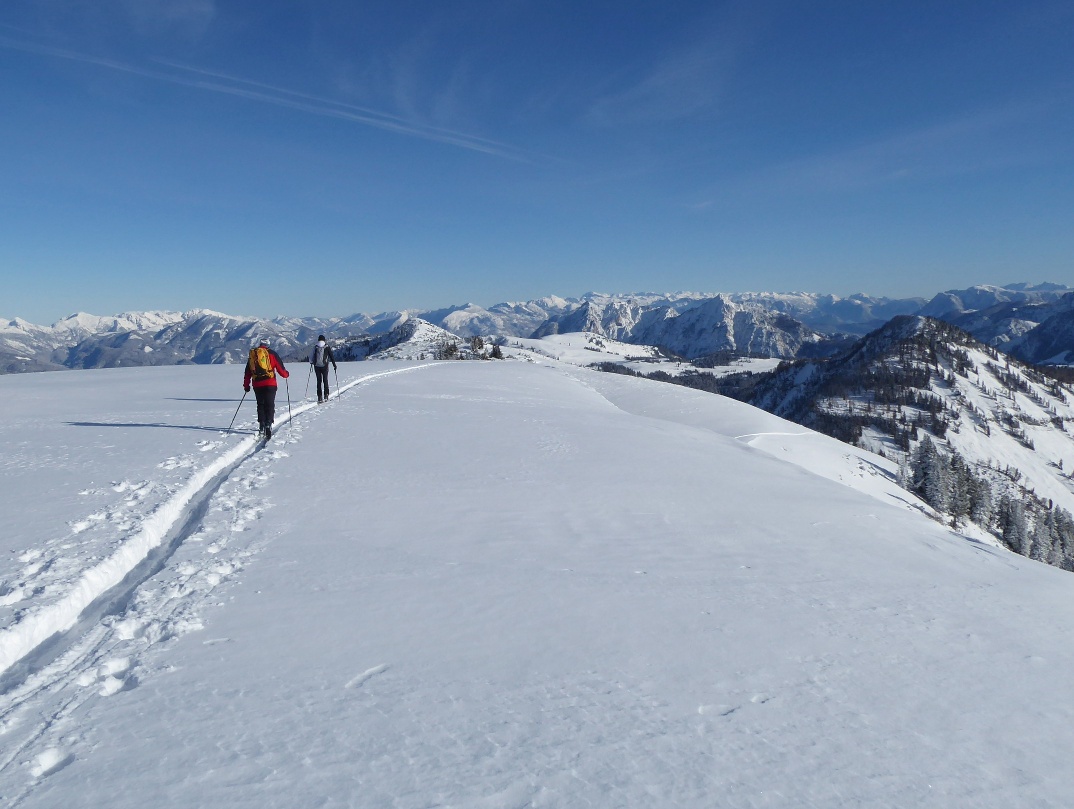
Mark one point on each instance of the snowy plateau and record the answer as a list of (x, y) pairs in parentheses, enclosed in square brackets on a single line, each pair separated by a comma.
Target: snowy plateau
[(501, 584)]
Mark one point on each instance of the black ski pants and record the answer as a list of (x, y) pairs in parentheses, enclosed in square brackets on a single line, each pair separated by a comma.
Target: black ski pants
[(266, 405), (322, 380)]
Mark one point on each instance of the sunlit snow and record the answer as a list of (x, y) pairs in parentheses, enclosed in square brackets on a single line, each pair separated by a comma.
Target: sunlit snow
[(498, 584)]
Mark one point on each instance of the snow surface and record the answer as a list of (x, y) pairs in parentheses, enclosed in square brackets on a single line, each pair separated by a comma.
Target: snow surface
[(499, 584), (586, 348)]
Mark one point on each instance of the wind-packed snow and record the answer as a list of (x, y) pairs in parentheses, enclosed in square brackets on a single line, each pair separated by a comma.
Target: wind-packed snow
[(499, 584)]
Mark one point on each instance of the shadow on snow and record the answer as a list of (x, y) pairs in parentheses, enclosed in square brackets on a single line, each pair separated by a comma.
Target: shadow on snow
[(153, 424)]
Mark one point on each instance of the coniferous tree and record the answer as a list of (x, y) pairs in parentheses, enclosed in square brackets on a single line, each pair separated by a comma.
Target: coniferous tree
[(1013, 524), (1064, 528), (1040, 542), (919, 461), (931, 476), (960, 483), (1049, 530), (982, 509)]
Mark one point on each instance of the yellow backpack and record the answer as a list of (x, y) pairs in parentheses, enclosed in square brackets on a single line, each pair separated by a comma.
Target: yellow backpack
[(260, 364)]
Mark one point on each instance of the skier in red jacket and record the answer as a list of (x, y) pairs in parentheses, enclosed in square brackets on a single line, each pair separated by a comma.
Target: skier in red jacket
[(261, 370)]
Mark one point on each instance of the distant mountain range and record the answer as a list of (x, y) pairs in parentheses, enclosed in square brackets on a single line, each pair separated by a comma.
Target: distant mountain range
[(1033, 323)]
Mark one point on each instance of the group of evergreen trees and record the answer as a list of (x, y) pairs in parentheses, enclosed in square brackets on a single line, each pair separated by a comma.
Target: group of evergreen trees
[(947, 483), (1028, 525), (447, 349)]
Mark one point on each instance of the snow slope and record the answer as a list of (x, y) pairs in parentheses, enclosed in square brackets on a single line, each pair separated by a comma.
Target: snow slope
[(503, 584)]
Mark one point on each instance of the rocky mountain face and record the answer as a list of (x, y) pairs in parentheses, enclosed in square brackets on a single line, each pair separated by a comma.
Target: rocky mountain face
[(609, 317), (720, 325), (692, 329)]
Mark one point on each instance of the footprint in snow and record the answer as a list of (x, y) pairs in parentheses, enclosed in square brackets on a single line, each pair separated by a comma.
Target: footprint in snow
[(113, 685), (114, 666), (175, 463), (129, 629), (78, 526), (50, 761), (111, 677)]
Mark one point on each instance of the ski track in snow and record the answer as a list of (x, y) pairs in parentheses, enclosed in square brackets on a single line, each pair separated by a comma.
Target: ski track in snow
[(79, 634)]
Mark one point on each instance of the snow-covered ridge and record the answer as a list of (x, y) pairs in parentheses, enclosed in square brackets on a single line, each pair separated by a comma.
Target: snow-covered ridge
[(82, 324), (985, 296)]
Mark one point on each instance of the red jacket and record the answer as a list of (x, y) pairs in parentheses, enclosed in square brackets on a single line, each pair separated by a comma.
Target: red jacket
[(277, 366)]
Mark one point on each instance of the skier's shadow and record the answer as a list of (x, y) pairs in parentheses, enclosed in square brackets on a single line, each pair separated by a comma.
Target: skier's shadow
[(183, 399), (151, 424)]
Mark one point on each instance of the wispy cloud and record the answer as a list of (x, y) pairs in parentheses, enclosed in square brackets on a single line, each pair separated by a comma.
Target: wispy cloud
[(689, 80), (194, 16), (969, 144), (680, 86), (214, 82)]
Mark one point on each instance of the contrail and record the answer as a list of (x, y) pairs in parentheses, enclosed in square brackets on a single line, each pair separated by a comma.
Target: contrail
[(281, 97)]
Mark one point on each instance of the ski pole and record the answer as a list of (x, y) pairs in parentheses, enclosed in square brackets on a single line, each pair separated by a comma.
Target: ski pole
[(243, 399), (288, 384), (309, 373), (336, 371)]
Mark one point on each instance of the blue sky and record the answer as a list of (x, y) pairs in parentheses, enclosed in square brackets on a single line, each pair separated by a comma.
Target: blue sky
[(325, 158)]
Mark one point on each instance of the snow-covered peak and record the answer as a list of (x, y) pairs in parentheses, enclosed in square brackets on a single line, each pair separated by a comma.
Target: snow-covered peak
[(82, 323), (18, 324), (984, 296), (1046, 286), (195, 313), (78, 320)]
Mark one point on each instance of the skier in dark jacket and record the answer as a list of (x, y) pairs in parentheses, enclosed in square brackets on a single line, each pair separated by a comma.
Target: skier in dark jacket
[(261, 370), (319, 359)]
